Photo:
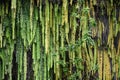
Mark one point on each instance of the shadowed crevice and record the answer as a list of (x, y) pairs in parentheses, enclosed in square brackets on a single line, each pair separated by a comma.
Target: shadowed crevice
[(30, 72)]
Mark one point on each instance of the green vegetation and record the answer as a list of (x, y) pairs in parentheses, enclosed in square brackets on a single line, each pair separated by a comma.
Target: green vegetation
[(59, 39)]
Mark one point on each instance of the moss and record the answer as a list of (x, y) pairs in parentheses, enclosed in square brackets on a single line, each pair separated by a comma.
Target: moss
[(60, 30)]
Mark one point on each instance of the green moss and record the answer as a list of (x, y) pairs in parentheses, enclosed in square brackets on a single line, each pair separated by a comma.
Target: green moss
[(58, 32)]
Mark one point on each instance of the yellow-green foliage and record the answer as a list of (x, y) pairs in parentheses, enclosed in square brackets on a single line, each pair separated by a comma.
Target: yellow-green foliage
[(68, 39)]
